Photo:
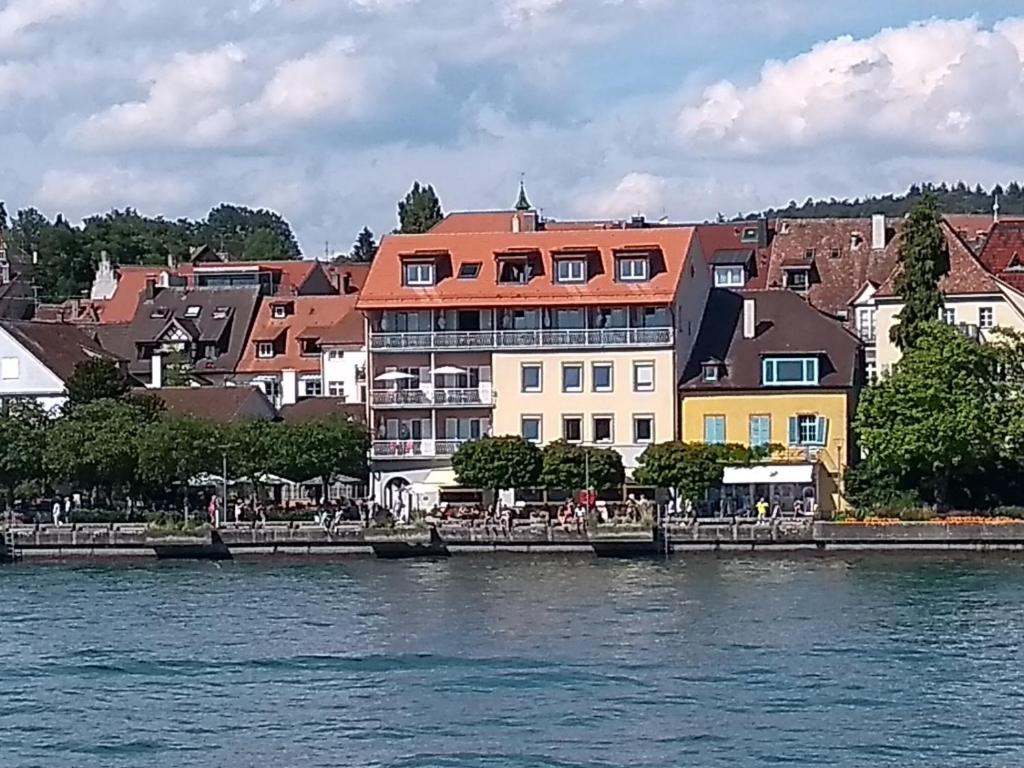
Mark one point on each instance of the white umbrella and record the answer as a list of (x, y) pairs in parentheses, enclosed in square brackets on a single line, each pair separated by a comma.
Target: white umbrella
[(448, 370), (394, 376)]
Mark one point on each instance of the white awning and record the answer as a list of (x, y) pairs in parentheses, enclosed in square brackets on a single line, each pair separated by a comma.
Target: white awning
[(802, 474), (442, 478)]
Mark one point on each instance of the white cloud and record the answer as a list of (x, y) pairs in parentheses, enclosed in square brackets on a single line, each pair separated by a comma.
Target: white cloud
[(635, 193), (21, 17), (928, 85), (80, 193)]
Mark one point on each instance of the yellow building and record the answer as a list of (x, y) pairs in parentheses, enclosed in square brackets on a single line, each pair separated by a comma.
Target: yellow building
[(769, 370)]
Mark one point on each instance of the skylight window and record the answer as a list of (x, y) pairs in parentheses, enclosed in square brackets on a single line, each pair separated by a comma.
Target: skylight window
[(219, 313), (192, 312), (469, 271), (749, 235), (159, 313)]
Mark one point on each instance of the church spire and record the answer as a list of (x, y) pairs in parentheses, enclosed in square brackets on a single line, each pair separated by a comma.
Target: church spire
[(523, 204)]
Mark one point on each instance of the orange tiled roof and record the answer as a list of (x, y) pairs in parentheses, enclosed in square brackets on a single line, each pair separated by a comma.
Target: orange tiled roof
[(384, 289), (313, 316), (474, 221)]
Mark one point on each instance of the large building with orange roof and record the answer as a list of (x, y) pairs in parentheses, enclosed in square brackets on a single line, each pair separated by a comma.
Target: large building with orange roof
[(554, 334)]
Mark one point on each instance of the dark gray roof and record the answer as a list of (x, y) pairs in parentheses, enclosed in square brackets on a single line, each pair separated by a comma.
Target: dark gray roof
[(217, 404), (732, 257), (785, 325), (58, 346), (320, 408)]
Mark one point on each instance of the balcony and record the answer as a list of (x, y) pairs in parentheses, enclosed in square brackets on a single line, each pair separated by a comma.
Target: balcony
[(430, 397), (413, 449), (602, 338)]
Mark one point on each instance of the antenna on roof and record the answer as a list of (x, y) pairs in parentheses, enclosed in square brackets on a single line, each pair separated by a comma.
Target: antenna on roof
[(327, 250)]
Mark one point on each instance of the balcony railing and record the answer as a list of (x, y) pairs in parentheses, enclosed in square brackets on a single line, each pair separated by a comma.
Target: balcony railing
[(429, 397), (410, 449), (604, 338)]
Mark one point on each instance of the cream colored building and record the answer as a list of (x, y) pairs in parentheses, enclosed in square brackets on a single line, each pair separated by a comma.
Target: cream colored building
[(579, 334)]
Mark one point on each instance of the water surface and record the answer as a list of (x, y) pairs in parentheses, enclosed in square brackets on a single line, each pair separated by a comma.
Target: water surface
[(517, 662)]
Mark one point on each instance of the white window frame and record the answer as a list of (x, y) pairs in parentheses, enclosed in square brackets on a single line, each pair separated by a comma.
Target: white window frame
[(986, 318), (335, 389), (265, 349), (760, 418), (418, 274), (805, 282), (811, 368), (716, 418), (638, 417), (10, 368), (571, 366), (749, 235), (192, 311), (611, 428), (730, 276), (522, 378), (948, 315), (593, 377), (638, 385), (570, 270), (278, 311), (540, 427), (306, 381), (632, 269)]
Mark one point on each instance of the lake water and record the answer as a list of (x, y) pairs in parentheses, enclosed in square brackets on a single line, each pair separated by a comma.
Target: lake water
[(547, 662)]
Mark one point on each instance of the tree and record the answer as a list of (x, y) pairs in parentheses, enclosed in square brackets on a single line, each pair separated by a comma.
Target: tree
[(66, 268), (690, 470), (324, 449), (233, 229), (27, 229), (940, 420), (365, 247), (23, 425), (172, 450), (924, 259), (498, 463), (568, 467), (419, 211), (177, 370), (95, 379)]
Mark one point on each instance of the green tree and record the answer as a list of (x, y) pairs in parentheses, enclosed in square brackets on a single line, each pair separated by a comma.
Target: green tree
[(23, 425), (689, 470), (177, 370), (27, 230), (244, 233), (365, 247), (419, 211), (498, 463), (251, 449), (173, 450), (940, 418), (567, 467), (66, 268), (324, 449), (924, 259), (96, 379)]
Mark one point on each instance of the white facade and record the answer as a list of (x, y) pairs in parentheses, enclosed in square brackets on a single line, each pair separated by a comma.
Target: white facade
[(343, 372), (22, 374)]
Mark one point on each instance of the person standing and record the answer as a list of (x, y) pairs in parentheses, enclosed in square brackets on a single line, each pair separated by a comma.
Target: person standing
[(762, 509), (56, 512)]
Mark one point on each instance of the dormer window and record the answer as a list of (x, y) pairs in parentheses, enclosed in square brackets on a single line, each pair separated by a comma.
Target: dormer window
[(798, 279), (279, 311), (310, 347), (418, 274), (265, 349), (809, 254), (730, 276), (749, 235), (570, 271), (711, 371), (789, 371), (513, 272), (632, 269)]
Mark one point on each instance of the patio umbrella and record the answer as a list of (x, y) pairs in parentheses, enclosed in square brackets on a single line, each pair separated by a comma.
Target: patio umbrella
[(393, 376), (448, 370)]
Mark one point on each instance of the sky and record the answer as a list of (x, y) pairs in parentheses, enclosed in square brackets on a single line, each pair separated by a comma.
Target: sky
[(327, 110)]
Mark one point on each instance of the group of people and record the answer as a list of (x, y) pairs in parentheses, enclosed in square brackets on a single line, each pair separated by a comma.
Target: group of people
[(61, 511)]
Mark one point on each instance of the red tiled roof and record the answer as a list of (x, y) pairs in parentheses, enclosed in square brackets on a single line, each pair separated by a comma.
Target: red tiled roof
[(1003, 254), (843, 260), (313, 316), (668, 246), (474, 221), (351, 330), (966, 275)]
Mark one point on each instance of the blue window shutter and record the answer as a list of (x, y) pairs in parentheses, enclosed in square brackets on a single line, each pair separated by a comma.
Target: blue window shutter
[(822, 430), (794, 431)]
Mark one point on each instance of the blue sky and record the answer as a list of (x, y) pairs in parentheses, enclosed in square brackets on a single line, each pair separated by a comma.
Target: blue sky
[(326, 110)]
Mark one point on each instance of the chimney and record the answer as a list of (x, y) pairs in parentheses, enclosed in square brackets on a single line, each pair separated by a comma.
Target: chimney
[(346, 283), (156, 376), (150, 291), (749, 318), (878, 232), (289, 387)]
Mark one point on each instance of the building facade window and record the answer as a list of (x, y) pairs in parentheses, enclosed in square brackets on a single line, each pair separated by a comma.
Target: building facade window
[(632, 269), (807, 429), (601, 377), (731, 276), (789, 371), (867, 321), (572, 429), (311, 387), (643, 377), (643, 429), (709, 372), (572, 377), (986, 317), (760, 431), (604, 429), (530, 376), (530, 428), (714, 430), (336, 388), (418, 274), (949, 315), (570, 271), (265, 349)]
